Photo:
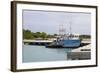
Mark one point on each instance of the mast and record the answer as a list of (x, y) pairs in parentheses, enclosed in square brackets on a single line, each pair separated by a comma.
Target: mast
[(70, 28), (62, 30)]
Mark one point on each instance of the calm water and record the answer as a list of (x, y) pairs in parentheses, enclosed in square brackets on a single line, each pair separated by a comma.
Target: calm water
[(32, 53)]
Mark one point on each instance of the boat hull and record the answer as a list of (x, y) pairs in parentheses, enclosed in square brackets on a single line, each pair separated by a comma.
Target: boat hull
[(71, 43)]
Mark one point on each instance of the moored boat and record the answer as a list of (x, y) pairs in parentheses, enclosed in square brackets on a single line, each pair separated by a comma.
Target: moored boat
[(65, 42)]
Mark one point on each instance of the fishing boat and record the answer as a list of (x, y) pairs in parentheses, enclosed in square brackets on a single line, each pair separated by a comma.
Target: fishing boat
[(65, 40)]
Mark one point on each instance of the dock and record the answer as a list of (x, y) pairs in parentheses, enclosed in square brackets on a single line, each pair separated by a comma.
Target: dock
[(37, 42), (81, 53)]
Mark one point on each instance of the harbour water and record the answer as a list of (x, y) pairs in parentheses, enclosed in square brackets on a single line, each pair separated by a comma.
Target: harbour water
[(33, 53)]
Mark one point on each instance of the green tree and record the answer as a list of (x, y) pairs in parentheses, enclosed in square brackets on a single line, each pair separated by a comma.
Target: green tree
[(27, 34), (43, 35), (38, 34), (50, 36)]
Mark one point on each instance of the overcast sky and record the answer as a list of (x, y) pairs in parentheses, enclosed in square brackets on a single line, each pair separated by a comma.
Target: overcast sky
[(49, 21)]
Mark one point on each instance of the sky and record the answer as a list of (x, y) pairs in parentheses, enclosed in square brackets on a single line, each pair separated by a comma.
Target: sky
[(49, 21)]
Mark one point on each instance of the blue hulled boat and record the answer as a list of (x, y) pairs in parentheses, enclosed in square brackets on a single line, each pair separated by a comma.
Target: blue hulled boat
[(65, 42)]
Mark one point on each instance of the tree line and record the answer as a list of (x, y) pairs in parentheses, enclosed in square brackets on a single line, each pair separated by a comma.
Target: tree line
[(27, 34), (84, 36)]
